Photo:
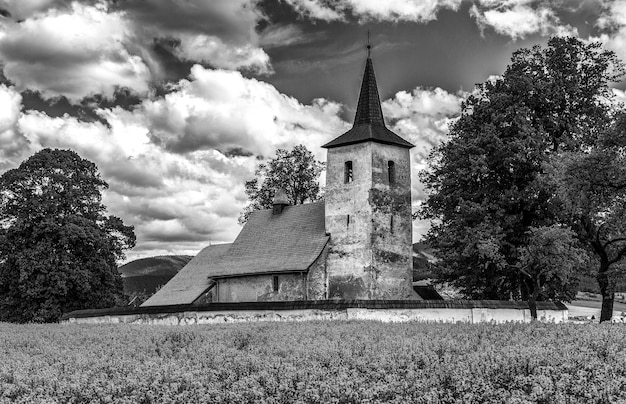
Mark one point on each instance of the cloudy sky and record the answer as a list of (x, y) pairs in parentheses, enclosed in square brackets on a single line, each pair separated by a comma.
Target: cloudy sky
[(176, 101)]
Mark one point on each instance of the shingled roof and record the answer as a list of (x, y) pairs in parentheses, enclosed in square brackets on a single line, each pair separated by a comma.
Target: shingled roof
[(268, 244), (369, 124), (287, 242), (191, 281)]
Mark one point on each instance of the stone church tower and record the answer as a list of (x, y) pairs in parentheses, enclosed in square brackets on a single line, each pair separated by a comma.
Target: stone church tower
[(368, 206)]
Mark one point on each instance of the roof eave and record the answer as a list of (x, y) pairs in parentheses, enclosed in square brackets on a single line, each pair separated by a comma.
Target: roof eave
[(289, 271), (329, 145)]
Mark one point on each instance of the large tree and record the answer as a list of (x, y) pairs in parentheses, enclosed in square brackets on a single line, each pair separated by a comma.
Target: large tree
[(295, 171), (591, 186), (58, 249), (484, 181)]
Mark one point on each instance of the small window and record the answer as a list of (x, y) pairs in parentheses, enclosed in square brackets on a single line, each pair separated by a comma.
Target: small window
[(348, 221), (275, 282), (348, 172), (391, 169)]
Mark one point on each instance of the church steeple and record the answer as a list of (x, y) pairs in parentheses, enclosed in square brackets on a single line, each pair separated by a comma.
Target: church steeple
[(369, 124), (367, 206), (368, 110)]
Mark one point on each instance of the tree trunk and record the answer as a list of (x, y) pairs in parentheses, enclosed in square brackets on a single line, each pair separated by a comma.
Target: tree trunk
[(532, 302), (607, 289)]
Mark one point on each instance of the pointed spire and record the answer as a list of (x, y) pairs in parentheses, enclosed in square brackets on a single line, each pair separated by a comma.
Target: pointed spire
[(368, 110), (369, 124)]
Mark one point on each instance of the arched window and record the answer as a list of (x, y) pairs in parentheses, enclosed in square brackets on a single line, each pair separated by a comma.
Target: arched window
[(391, 170), (347, 172)]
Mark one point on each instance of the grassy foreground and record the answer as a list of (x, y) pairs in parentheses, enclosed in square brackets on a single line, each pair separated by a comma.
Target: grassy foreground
[(313, 362)]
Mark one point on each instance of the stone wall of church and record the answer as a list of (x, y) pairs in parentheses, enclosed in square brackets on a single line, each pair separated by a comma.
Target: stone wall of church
[(349, 222), (317, 278), (392, 223), (260, 288), (370, 224)]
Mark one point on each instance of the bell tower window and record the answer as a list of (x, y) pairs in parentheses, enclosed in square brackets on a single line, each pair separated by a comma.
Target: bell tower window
[(347, 172), (391, 170), (275, 283)]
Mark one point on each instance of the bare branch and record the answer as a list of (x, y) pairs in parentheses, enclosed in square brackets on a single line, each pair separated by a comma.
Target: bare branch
[(527, 274)]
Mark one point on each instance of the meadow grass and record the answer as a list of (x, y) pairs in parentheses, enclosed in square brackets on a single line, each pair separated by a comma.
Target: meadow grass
[(313, 362)]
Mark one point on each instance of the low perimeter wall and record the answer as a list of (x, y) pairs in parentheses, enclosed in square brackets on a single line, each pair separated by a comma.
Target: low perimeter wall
[(465, 311)]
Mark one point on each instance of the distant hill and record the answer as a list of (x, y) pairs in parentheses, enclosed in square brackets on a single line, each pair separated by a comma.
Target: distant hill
[(145, 275)]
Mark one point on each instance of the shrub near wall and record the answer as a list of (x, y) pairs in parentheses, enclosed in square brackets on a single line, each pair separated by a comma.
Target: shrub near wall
[(313, 362)]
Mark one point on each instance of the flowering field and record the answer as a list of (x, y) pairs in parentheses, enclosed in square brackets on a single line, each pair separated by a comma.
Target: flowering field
[(314, 362)]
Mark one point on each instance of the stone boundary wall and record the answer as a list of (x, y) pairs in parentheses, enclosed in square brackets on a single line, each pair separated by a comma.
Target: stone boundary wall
[(446, 311)]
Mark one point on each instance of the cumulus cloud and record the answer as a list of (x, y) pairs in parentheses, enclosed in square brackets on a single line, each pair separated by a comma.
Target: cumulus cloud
[(519, 18), (319, 9), (422, 116), (75, 53), (163, 162), (218, 109), (94, 47), (613, 24), (22, 9), (220, 33), (232, 19), (211, 49), (11, 139), (513, 18), (391, 10), (401, 10), (178, 202)]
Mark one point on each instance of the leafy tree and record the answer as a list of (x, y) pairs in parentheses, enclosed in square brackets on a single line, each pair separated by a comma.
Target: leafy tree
[(58, 251), (295, 171), (484, 181), (550, 261), (591, 186)]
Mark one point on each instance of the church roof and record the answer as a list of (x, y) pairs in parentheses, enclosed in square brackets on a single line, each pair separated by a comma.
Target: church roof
[(268, 244), (191, 281), (287, 242), (369, 124)]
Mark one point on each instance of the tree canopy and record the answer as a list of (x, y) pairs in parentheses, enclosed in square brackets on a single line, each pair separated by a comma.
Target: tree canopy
[(295, 171), (58, 249), (591, 188), (485, 182)]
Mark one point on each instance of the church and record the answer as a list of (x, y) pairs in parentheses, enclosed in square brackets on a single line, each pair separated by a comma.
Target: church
[(356, 244)]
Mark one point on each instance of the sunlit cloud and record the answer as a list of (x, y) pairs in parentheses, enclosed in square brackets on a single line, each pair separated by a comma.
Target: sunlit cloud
[(73, 53), (519, 18)]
